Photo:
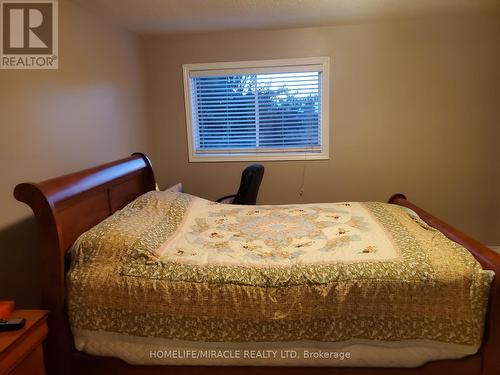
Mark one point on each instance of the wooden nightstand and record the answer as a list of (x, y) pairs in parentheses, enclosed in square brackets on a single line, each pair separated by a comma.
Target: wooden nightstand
[(21, 351)]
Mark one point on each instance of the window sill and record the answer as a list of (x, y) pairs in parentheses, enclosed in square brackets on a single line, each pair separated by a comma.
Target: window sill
[(211, 158)]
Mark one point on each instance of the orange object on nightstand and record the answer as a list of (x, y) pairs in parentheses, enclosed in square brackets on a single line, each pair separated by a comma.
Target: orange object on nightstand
[(21, 351), (6, 308)]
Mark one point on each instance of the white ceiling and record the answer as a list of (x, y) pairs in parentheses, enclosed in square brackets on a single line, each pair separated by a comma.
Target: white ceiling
[(180, 16)]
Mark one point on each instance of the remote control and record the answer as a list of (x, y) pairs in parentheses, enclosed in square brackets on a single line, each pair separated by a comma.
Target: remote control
[(12, 324)]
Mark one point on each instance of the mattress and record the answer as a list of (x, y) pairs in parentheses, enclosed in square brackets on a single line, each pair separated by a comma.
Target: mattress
[(176, 279)]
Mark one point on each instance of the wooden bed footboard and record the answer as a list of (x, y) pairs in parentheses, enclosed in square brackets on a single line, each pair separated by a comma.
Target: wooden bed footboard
[(490, 260), (67, 206)]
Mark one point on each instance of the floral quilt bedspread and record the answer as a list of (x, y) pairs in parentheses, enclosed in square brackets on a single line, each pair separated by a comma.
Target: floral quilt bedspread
[(171, 265)]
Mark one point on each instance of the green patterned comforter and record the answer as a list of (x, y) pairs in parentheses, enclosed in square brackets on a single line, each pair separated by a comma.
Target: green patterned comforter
[(170, 265)]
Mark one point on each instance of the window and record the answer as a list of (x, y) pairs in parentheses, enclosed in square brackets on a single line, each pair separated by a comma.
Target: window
[(257, 110)]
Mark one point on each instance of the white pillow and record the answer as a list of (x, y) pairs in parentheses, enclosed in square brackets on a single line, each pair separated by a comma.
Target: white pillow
[(178, 188)]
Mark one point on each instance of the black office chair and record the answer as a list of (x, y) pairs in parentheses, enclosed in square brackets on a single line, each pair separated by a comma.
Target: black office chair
[(249, 186)]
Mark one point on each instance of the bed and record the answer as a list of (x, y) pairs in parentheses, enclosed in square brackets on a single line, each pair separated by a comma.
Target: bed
[(120, 196)]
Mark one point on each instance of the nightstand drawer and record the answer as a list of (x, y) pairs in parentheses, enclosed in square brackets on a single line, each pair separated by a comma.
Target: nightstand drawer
[(21, 351), (32, 364)]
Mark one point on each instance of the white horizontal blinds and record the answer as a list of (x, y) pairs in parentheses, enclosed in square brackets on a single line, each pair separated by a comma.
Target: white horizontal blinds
[(257, 112), (288, 105), (225, 113)]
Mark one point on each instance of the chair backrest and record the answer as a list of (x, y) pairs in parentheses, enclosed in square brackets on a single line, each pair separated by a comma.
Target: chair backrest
[(249, 186)]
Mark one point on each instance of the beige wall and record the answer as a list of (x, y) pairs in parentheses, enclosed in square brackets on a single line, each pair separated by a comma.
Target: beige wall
[(495, 198), (88, 112), (413, 110), (495, 230), (413, 103)]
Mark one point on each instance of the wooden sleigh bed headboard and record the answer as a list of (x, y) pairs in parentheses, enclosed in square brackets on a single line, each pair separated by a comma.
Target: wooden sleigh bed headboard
[(67, 206)]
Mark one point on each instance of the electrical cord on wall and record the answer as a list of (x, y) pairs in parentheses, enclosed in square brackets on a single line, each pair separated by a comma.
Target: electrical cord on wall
[(301, 191), (303, 179)]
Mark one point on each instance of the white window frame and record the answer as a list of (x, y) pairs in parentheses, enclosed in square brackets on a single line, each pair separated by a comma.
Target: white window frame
[(262, 66)]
